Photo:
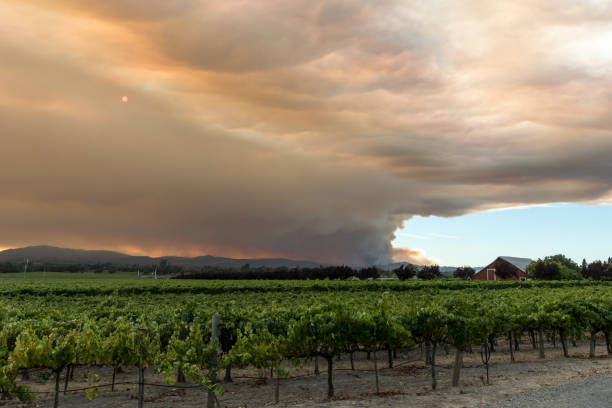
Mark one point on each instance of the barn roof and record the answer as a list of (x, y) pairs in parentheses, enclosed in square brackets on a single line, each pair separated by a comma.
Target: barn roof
[(520, 263)]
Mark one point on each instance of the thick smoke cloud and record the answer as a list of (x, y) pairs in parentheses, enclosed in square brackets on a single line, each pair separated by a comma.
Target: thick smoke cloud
[(309, 130)]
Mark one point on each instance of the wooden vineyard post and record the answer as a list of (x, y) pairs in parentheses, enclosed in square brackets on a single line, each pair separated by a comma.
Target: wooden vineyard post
[(67, 378), (376, 372), (140, 380), (330, 373), (517, 341), (510, 346), (277, 388), (563, 339), (533, 339), (183, 333), (593, 343), (457, 366), (213, 359), (541, 341), (57, 388), (434, 381), (113, 380), (485, 356)]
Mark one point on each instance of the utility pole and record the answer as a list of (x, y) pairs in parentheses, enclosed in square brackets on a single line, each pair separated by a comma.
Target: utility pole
[(25, 268)]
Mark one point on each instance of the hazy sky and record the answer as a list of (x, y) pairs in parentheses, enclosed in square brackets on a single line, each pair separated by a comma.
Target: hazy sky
[(305, 129)]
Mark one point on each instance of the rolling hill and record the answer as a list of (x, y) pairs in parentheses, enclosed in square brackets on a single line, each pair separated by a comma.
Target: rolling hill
[(67, 256)]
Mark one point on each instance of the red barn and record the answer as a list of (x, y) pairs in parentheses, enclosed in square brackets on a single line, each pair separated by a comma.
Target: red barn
[(518, 265)]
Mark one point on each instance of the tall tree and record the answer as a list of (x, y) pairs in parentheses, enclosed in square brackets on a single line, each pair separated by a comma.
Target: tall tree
[(546, 270), (595, 270), (406, 271), (563, 260), (429, 272), (505, 270)]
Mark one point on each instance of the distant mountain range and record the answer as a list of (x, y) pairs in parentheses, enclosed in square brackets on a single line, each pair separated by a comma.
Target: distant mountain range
[(67, 256)]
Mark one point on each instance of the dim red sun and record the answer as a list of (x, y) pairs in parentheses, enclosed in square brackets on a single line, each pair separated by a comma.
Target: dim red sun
[(124, 99)]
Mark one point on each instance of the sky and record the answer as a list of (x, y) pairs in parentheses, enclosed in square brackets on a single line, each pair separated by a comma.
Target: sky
[(309, 129), (577, 231)]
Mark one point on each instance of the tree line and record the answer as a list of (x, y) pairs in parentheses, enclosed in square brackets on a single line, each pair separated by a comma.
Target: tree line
[(284, 273), (164, 268), (560, 267), (555, 267)]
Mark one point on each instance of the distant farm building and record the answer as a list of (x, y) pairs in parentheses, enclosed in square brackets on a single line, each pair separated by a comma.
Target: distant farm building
[(516, 265)]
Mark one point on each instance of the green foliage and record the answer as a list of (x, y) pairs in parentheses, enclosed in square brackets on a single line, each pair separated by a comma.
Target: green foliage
[(429, 272), (505, 270), (191, 355), (8, 368), (568, 269), (464, 272), (530, 270), (463, 327), (566, 273), (385, 330), (546, 270), (167, 324), (406, 271), (258, 348), (93, 380), (598, 271), (563, 260), (120, 344), (54, 350), (320, 331)]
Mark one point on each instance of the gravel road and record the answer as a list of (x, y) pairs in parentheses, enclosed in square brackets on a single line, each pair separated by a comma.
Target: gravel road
[(588, 392)]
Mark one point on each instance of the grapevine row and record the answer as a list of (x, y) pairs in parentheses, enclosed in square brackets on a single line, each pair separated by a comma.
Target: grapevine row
[(173, 333)]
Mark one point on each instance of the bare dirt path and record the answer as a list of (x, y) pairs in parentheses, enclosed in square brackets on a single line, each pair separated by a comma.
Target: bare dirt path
[(592, 392)]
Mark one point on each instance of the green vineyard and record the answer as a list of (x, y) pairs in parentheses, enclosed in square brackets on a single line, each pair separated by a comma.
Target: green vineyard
[(172, 328)]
